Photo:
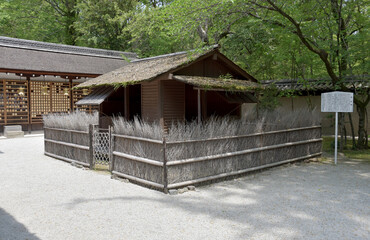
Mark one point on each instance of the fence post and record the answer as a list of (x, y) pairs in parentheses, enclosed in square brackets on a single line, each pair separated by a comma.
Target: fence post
[(91, 150), (165, 171), (111, 149)]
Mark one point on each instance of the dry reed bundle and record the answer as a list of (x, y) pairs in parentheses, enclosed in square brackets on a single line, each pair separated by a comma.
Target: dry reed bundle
[(214, 127), (77, 120)]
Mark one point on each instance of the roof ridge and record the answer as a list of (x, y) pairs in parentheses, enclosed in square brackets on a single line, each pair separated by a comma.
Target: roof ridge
[(173, 54), (62, 48)]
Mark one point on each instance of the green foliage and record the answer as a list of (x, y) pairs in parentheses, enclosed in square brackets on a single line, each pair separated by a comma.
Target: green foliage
[(328, 146), (33, 20), (102, 23), (269, 99)]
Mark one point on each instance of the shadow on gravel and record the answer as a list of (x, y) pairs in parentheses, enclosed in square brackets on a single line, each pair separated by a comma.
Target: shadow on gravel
[(11, 229), (297, 201)]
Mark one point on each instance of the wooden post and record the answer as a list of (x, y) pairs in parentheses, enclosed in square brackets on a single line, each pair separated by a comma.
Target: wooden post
[(111, 149), (204, 105), (5, 97), (199, 108), (160, 105), (91, 150), (29, 103), (165, 178), (71, 95), (51, 96)]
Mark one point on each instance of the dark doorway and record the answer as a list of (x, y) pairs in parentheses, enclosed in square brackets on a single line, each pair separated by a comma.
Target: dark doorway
[(134, 101)]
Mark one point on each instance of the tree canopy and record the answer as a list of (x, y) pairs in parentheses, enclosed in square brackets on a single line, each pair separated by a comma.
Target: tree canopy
[(271, 39)]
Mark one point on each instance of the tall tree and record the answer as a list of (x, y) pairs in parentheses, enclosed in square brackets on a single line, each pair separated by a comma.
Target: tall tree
[(102, 23), (331, 43), (328, 34), (67, 16), (34, 20)]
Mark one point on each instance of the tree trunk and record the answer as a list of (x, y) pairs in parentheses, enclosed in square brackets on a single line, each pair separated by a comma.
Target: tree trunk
[(352, 131), (362, 137), (343, 133)]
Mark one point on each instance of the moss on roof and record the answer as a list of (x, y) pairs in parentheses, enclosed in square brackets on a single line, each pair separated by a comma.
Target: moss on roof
[(222, 83), (146, 69)]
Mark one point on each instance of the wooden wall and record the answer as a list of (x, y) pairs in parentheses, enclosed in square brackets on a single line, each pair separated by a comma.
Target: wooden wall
[(209, 67), (150, 109), (173, 101), (45, 97), (163, 101)]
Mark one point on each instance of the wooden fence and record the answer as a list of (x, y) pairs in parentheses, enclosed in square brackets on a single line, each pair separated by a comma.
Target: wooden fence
[(69, 145), (167, 165)]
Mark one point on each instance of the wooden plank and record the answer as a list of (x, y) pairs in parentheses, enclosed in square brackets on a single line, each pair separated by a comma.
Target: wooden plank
[(65, 159), (232, 154), (68, 144), (140, 180), (223, 175)]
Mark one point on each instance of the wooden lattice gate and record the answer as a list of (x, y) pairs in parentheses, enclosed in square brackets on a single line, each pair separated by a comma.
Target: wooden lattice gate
[(102, 150)]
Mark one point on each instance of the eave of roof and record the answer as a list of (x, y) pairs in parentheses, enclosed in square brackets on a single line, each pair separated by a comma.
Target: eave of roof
[(62, 48), (32, 57), (96, 97)]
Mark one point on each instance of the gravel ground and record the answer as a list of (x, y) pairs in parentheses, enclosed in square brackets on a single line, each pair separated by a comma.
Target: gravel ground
[(45, 198)]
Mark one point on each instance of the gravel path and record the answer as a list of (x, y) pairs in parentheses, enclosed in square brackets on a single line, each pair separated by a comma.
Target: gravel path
[(44, 198)]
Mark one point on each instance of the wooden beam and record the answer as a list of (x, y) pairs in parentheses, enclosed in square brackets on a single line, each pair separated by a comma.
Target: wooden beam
[(29, 72)]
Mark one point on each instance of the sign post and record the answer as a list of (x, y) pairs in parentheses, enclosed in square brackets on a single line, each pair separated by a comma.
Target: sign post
[(336, 102)]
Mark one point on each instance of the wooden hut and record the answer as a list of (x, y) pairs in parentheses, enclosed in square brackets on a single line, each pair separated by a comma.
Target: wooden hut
[(37, 78), (173, 87)]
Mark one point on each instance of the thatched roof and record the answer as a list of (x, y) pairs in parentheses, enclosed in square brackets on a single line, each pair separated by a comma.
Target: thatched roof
[(145, 69), (227, 84), (27, 55)]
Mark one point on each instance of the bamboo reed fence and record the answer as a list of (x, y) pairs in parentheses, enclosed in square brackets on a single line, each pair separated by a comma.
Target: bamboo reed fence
[(69, 145), (167, 165)]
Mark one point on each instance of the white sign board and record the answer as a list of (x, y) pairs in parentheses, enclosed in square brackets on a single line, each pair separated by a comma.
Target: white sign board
[(337, 102)]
